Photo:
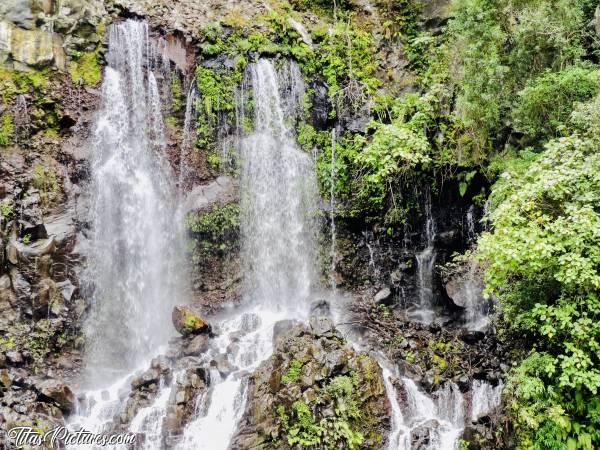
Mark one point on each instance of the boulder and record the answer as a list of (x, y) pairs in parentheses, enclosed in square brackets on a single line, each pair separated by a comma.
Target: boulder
[(53, 391), (448, 239), (20, 285), (187, 321), (384, 296), (196, 345), (322, 326), (219, 192)]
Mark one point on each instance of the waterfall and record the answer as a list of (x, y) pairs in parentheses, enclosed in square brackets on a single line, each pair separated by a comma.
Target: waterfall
[(134, 243), (134, 269), (425, 267), (332, 207), (278, 202)]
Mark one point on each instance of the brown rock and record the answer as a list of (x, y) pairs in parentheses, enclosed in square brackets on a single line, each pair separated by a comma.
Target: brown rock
[(187, 321)]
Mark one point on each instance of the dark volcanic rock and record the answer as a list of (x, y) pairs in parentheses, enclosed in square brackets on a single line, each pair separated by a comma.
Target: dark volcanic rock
[(303, 368)]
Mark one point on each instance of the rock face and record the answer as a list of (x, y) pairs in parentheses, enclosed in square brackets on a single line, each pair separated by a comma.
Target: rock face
[(314, 377), (26, 42), (187, 321), (58, 393)]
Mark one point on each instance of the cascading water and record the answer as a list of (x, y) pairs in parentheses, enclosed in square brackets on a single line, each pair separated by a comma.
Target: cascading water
[(278, 190), (134, 269), (423, 312), (189, 134)]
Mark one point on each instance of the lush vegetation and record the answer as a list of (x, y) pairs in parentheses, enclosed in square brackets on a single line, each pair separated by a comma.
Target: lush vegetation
[(503, 91)]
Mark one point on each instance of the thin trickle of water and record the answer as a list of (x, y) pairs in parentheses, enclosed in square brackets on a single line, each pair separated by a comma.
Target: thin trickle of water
[(425, 268), (485, 398), (470, 218), (20, 114), (189, 136), (332, 208)]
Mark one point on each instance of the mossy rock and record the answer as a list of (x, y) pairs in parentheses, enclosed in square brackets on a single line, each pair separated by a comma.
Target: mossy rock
[(187, 321)]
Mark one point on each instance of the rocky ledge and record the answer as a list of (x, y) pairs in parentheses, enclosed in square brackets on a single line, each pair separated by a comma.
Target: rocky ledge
[(315, 389)]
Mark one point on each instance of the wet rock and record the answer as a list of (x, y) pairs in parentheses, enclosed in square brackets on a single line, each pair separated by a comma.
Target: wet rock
[(472, 337), (477, 435), (320, 308), (464, 288), (222, 364), (14, 357), (411, 371), (221, 191), (322, 326), (58, 393), (7, 296), (18, 12), (384, 296), (321, 105), (34, 230), (147, 378), (46, 299), (424, 435), (187, 321), (20, 285), (196, 345), (282, 327), (302, 365), (448, 239), (66, 290)]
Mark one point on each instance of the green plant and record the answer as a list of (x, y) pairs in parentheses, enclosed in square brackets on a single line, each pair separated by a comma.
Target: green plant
[(44, 179), (85, 68), (26, 239), (293, 372), (546, 102), (6, 208), (177, 100), (542, 260), (6, 129)]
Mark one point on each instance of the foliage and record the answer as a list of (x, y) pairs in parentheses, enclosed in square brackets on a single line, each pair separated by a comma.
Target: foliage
[(542, 262), (303, 429), (6, 129), (293, 372), (177, 100), (546, 102), (215, 231), (13, 83), (217, 88), (85, 68), (6, 208), (44, 179), (479, 70)]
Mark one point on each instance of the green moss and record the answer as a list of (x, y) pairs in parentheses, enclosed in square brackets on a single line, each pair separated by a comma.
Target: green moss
[(85, 68), (6, 129), (44, 179), (293, 372), (6, 208), (215, 232), (13, 82), (177, 100), (217, 88)]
